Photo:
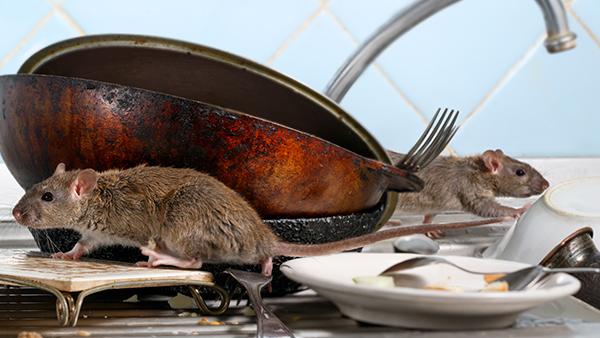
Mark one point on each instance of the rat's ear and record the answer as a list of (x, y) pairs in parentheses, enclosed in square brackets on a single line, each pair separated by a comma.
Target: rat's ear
[(60, 168), (84, 183), (492, 161)]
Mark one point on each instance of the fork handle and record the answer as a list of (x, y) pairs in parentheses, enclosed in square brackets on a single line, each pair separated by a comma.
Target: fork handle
[(268, 325)]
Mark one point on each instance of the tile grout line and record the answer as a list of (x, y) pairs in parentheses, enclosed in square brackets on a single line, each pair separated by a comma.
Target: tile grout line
[(408, 102), (67, 17), (507, 76), (296, 33), (378, 68), (584, 25), (25, 39)]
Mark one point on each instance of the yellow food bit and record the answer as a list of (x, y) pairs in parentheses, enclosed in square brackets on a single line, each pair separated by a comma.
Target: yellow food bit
[(29, 334), (215, 323), (492, 277), (82, 333)]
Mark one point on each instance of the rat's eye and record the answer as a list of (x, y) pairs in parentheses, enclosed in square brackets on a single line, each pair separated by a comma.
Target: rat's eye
[(47, 196), (520, 172)]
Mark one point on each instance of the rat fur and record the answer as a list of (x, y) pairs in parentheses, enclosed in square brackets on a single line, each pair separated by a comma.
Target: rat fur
[(178, 217), (471, 184)]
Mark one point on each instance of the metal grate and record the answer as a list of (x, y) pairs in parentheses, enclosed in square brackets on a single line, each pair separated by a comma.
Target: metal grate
[(26, 309)]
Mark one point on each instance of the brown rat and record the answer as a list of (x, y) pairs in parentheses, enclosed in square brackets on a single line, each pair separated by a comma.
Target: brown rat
[(178, 217), (471, 184)]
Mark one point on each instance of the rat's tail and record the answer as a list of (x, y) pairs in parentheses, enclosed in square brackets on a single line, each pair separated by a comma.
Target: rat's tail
[(303, 250)]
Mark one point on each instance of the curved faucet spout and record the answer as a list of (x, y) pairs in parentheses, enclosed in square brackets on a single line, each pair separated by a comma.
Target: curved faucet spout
[(560, 38)]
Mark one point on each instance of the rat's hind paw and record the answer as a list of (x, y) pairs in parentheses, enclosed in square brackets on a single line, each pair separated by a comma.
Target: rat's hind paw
[(157, 258), (58, 255), (267, 266)]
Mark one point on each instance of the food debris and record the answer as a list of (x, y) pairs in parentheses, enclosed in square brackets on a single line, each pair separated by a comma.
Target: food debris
[(379, 281), (82, 333), (444, 288), (29, 334), (492, 277), (389, 282), (496, 287), (205, 321)]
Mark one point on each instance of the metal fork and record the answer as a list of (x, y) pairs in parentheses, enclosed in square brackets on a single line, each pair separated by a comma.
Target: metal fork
[(424, 260), (432, 142), (517, 280), (268, 325)]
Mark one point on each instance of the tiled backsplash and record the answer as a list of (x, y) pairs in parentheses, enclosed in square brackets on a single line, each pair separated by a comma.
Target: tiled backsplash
[(483, 57)]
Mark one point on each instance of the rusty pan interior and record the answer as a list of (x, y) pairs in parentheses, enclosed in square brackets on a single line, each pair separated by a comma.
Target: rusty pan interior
[(204, 74), (89, 124), (48, 119), (209, 75)]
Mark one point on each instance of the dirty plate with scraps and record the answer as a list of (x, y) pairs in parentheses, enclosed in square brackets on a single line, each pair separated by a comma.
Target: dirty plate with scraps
[(436, 296)]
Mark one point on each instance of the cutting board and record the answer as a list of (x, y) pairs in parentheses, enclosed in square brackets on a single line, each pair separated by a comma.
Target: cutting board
[(71, 276)]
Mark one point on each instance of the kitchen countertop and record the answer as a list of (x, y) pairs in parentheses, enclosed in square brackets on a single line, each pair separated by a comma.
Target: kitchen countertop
[(308, 314)]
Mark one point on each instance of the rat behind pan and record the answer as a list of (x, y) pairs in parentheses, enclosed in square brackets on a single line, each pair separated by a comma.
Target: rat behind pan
[(178, 217), (470, 184)]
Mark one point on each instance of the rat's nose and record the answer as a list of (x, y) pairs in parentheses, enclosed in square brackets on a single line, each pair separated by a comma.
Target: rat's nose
[(540, 186), (545, 185)]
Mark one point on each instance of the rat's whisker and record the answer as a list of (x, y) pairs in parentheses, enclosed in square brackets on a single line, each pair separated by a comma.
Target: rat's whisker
[(51, 244)]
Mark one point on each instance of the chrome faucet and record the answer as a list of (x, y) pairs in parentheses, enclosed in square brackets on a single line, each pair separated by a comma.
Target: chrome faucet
[(559, 38)]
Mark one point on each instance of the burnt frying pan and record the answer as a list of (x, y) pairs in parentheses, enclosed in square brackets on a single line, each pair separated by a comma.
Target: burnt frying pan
[(288, 175), (212, 76), (282, 172)]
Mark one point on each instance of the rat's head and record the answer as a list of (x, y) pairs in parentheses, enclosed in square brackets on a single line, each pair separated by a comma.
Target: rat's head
[(513, 178), (57, 201)]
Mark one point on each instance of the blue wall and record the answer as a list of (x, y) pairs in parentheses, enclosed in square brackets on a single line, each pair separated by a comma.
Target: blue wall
[(484, 57)]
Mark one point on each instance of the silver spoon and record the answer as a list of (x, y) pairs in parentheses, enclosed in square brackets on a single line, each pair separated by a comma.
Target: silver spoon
[(516, 280)]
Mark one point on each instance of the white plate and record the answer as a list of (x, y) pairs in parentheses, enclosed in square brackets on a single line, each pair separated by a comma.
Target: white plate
[(331, 276)]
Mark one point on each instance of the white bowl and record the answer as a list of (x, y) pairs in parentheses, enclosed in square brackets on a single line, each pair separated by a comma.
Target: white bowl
[(331, 276), (559, 213)]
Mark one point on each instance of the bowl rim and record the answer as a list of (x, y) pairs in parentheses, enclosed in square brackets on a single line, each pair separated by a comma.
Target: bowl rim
[(561, 211), (564, 241)]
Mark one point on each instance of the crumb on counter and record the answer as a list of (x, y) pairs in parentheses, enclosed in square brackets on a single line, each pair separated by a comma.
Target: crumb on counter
[(29, 334)]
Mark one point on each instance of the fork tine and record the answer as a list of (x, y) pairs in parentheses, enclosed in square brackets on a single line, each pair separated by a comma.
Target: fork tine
[(440, 142), (439, 148), (442, 145), (423, 135), (431, 137)]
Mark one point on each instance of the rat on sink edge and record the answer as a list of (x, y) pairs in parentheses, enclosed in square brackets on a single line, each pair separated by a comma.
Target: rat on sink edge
[(471, 184), (178, 217)]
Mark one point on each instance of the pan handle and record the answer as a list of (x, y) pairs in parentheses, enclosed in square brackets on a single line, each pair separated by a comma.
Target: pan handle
[(399, 24)]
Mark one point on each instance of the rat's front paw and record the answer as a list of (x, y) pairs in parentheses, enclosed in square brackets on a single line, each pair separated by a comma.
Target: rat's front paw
[(520, 211), (58, 255), (70, 256), (73, 255)]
